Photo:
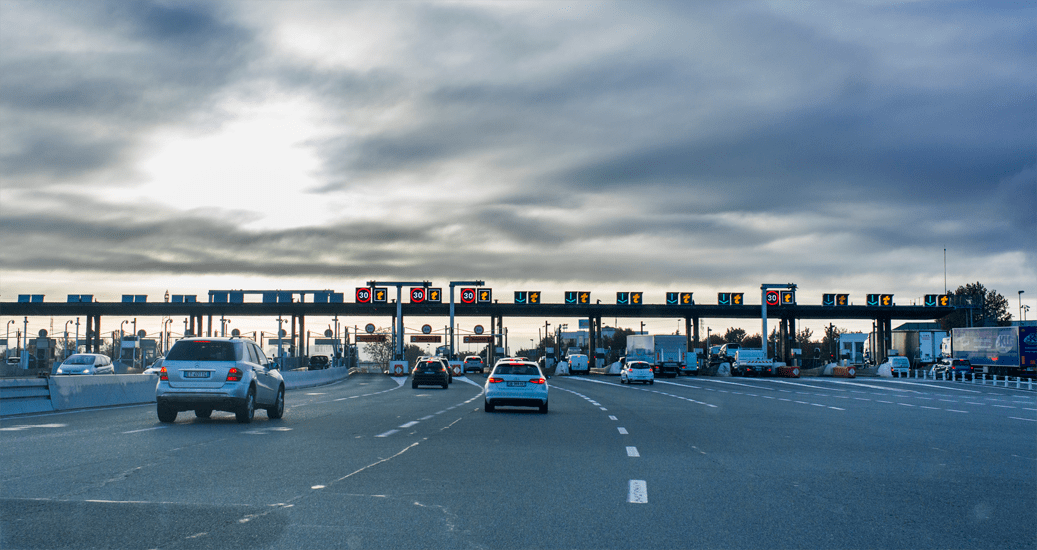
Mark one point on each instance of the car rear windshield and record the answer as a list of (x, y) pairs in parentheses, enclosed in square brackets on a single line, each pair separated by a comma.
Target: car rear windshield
[(640, 366), (522, 370), (430, 366), (201, 350)]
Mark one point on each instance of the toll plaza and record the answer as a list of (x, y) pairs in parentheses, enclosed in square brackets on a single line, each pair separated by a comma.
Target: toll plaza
[(778, 302)]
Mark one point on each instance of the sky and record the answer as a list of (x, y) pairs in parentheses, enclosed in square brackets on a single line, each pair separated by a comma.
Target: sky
[(709, 147)]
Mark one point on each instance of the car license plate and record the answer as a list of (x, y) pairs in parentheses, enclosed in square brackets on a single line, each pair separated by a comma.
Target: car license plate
[(516, 384), (196, 374)]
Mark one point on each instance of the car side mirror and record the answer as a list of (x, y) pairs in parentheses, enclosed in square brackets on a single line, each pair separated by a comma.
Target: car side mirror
[(273, 365)]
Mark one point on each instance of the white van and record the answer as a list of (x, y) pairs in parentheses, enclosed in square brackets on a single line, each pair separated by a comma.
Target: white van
[(578, 364), (897, 366)]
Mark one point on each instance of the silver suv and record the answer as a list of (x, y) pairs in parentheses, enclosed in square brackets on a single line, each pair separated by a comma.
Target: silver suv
[(224, 374)]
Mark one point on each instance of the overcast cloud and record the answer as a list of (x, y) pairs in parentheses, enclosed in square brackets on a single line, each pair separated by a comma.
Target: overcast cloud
[(705, 146)]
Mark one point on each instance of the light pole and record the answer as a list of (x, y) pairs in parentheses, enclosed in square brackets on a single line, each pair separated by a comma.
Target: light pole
[(165, 334), (77, 334), (66, 338), (7, 340), (1020, 305), (25, 345)]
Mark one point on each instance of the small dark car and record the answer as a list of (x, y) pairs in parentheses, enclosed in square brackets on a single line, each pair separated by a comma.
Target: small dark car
[(430, 372), (954, 368), (318, 362)]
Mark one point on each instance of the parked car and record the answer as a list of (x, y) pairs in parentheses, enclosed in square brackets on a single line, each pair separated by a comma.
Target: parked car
[(319, 362), (225, 374), (474, 363), (898, 366), (86, 363), (637, 371), (516, 383), (430, 372)]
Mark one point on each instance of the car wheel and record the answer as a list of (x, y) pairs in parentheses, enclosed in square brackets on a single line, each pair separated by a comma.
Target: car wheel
[(277, 411), (489, 407), (203, 413), (446, 386), (414, 385), (248, 410), (652, 382), (543, 408), (166, 414)]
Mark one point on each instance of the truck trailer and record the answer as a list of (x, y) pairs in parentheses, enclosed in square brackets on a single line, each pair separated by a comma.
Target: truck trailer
[(1002, 351), (921, 347), (666, 353)]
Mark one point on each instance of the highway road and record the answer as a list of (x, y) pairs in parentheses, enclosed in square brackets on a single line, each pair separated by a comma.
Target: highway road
[(684, 463)]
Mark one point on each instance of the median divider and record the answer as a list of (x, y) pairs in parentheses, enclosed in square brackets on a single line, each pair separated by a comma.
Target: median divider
[(24, 396), (62, 393), (84, 392), (295, 379)]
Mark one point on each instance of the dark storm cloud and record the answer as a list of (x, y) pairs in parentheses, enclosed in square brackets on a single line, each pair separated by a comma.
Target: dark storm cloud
[(707, 141), (156, 240), (69, 113)]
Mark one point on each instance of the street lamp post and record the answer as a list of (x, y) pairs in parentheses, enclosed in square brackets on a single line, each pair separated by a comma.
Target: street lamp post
[(65, 353), (165, 334), (1020, 305), (7, 340), (25, 345)]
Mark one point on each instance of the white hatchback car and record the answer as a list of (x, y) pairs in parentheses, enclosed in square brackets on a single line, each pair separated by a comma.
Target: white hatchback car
[(516, 382), (637, 371), (86, 363)]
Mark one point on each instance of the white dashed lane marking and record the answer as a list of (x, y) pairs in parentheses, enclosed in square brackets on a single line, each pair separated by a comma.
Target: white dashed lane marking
[(638, 492)]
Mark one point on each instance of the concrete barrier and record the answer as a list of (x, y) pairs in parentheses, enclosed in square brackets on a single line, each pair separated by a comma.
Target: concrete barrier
[(61, 393), (24, 396), (724, 369), (295, 379), (84, 392)]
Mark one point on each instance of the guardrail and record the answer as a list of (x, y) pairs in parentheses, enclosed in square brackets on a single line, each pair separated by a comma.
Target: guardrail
[(982, 379), (61, 393)]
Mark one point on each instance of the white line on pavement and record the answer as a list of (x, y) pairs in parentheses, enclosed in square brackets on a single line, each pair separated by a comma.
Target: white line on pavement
[(638, 493)]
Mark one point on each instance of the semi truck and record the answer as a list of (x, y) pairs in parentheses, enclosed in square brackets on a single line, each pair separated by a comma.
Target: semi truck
[(921, 347), (1002, 351), (666, 353)]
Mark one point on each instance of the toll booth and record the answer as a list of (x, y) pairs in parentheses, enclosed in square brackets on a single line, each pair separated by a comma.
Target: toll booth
[(42, 355), (135, 354)]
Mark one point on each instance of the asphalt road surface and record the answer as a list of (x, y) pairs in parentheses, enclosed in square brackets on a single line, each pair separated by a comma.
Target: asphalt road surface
[(684, 463)]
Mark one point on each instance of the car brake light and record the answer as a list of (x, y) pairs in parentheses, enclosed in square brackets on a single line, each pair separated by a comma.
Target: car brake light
[(163, 374), (496, 380), (234, 374), (536, 380)]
